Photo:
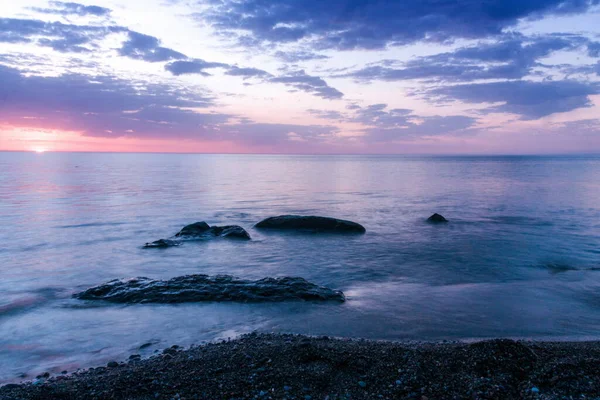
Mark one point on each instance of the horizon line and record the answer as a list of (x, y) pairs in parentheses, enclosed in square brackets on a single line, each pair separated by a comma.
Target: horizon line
[(304, 154)]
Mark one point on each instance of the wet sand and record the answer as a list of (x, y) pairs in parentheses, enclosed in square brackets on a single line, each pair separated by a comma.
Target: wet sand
[(270, 366)]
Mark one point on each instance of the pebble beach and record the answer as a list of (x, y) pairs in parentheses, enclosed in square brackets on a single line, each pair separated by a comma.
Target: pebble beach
[(280, 366)]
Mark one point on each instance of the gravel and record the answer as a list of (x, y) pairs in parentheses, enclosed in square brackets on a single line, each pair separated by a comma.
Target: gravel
[(272, 366)]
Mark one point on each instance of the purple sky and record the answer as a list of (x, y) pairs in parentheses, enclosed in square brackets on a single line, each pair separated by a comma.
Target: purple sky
[(301, 76)]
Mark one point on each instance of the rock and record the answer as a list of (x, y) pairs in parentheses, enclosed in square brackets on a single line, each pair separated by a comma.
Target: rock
[(195, 229), (10, 386), (195, 288), (162, 243), (199, 231), (437, 218), (112, 364), (203, 230), (362, 384), (311, 223), (231, 231)]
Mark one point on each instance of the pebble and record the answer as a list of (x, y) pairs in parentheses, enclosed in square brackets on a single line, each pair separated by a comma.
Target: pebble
[(535, 390), (112, 364), (362, 384)]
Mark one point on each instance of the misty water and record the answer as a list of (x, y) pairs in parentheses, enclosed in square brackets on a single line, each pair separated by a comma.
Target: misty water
[(520, 257)]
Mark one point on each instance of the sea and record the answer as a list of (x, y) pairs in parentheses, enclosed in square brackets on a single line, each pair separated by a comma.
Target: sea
[(519, 258)]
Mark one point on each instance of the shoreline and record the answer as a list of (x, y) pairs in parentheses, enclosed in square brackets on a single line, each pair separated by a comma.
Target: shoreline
[(286, 366)]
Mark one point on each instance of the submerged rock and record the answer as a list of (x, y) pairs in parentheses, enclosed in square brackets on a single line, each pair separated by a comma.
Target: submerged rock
[(162, 243), (202, 229), (437, 218), (195, 288), (313, 223)]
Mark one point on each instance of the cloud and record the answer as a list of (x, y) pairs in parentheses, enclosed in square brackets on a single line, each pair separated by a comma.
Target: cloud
[(100, 104), (301, 81), (594, 49), (247, 72), (528, 99), (511, 58), (106, 106), (192, 67), (298, 80), (360, 24), (68, 8), (299, 56), (144, 47), (70, 38), (56, 35), (383, 124), (453, 125), (327, 114)]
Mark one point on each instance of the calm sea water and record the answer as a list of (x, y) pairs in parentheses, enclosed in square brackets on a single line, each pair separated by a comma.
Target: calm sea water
[(520, 257)]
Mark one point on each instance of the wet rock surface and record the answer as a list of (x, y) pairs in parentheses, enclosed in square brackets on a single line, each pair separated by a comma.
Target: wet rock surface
[(201, 231), (195, 288), (311, 223), (298, 367), (436, 218)]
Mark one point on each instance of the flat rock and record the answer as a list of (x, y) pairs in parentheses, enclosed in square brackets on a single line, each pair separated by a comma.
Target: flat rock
[(312, 223), (196, 288), (437, 218)]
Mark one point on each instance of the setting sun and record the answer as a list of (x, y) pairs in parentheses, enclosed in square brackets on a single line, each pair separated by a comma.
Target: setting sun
[(39, 149)]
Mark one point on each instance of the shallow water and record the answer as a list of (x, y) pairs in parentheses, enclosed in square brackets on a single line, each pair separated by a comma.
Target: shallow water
[(520, 257)]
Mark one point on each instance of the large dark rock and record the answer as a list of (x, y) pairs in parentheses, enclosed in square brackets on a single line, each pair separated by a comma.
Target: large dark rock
[(436, 218), (312, 223), (195, 288), (195, 229)]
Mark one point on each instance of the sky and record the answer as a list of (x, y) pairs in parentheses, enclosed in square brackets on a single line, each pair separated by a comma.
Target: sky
[(301, 76)]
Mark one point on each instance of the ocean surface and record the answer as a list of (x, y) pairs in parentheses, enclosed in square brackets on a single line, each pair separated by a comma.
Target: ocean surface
[(520, 257)]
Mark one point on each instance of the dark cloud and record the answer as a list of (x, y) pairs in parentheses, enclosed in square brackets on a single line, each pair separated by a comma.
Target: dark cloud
[(83, 38), (530, 100), (247, 72), (512, 58), (56, 35), (144, 47), (192, 67), (299, 56), (352, 24), (301, 81), (68, 8)]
